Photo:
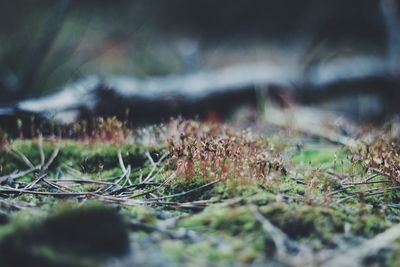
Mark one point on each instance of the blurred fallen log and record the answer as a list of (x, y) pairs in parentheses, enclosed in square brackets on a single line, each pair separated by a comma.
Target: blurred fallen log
[(201, 95), (369, 99)]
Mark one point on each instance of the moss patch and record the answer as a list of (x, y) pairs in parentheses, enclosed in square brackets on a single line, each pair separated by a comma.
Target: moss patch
[(71, 237), (318, 194), (87, 158)]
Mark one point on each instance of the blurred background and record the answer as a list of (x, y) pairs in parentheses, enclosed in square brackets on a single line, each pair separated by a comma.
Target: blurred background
[(312, 44)]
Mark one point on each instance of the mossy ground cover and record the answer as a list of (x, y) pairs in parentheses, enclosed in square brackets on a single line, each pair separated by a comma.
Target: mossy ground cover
[(199, 196)]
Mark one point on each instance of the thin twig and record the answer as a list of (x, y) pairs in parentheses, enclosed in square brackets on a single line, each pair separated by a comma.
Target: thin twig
[(279, 237), (41, 151), (17, 175), (166, 181), (34, 182), (364, 183), (72, 170), (370, 178), (151, 159), (287, 251), (149, 176), (56, 186), (187, 192), (124, 169), (378, 172), (53, 156), (5, 190), (368, 193), (121, 161), (21, 157), (81, 181), (117, 182)]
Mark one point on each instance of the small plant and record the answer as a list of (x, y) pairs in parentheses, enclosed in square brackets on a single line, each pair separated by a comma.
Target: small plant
[(213, 151), (106, 130), (111, 130), (382, 156)]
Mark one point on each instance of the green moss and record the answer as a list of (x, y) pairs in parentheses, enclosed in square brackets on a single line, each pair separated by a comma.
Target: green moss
[(173, 249), (6, 230), (209, 254), (261, 199), (290, 187), (99, 157), (305, 221), (234, 221), (370, 225), (233, 234), (47, 256), (183, 185), (70, 237), (220, 250), (296, 221), (394, 259), (92, 158), (327, 156), (222, 234), (141, 214)]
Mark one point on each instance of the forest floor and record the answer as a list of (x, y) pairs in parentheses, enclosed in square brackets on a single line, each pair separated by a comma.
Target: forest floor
[(200, 194)]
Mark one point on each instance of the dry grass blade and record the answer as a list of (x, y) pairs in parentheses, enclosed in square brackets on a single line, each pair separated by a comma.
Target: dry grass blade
[(53, 156), (125, 170), (123, 187), (127, 176), (187, 192), (165, 182), (116, 186), (149, 177), (36, 181), (57, 186), (17, 175), (41, 151), (21, 157), (151, 159), (369, 193), (72, 171), (5, 190), (121, 161), (347, 185), (81, 181), (370, 177)]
